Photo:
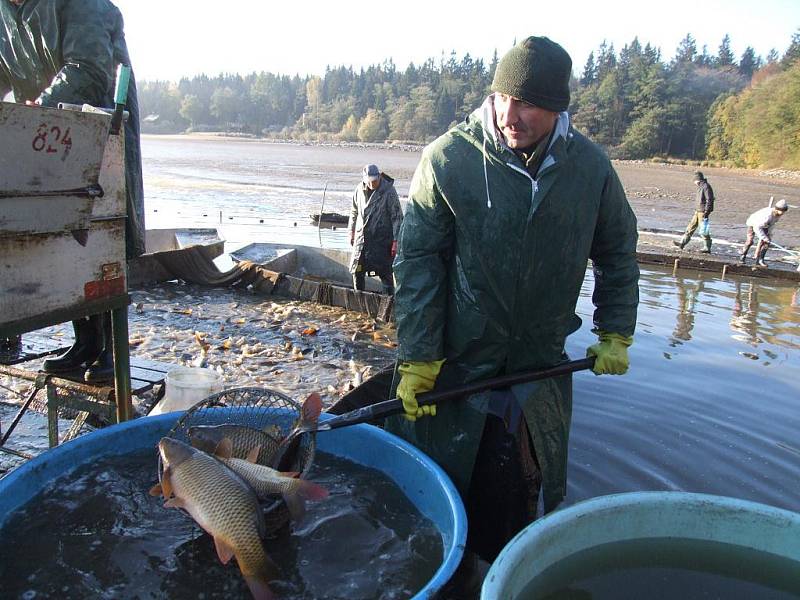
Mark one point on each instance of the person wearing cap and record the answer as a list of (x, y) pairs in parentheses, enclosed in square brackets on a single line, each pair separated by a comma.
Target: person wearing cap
[(54, 51), (761, 223), (505, 210), (704, 205), (375, 218)]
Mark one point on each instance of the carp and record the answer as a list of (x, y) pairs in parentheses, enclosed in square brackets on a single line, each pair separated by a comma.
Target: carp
[(270, 440), (243, 439), (223, 505), (267, 482)]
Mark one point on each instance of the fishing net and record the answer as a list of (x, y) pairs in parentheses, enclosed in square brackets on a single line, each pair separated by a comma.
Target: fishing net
[(263, 409)]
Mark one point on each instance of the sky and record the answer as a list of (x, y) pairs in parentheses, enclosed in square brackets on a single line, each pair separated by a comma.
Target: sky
[(170, 39)]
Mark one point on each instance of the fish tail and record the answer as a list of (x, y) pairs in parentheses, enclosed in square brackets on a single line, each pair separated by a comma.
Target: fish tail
[(259, 589), (311, 410), (258, 570), (300, 491), (308, 490)]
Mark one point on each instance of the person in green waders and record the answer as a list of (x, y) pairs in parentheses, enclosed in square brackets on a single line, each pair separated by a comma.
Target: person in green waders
[(504, 212), (54, 51)]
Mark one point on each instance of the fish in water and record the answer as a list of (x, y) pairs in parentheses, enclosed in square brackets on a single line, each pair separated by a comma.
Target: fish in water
[(243, 439), (223, 505), (268, 482)]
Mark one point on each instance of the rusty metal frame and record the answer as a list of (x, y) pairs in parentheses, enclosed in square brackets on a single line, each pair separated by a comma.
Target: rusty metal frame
[(103, 405)]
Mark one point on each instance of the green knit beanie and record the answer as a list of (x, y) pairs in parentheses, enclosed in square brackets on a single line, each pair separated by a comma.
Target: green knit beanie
[(537, 70)]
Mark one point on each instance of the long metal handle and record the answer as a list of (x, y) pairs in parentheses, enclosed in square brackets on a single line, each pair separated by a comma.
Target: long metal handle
[(395, 406)]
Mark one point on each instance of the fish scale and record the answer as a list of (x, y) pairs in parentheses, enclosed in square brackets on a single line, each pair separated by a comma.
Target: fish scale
[(223, 505), (263, 480), (244, 439)]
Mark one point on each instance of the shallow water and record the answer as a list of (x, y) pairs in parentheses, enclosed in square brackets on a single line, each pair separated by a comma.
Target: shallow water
[(258, 191), (107, 538), (712, 399)]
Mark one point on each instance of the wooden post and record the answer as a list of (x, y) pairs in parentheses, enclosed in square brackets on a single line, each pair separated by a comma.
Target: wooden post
[(724, 271), (675, 266)]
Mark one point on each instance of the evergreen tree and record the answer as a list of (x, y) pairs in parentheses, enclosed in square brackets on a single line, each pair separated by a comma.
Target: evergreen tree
[(589, 75), (793, 51), (686, 51), (703, 59), (772, 56), (724, 54), (749, 63), (633, 103)]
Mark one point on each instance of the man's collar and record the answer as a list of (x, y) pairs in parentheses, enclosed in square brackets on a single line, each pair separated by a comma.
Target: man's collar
[(488, 119)]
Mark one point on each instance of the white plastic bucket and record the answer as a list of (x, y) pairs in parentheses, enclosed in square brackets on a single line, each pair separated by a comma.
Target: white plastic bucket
[(185, 387)]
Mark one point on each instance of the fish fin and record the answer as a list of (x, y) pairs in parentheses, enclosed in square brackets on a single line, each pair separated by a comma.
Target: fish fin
[(224, 551), (309, 490), (166, 482), (252, 456), (258, 570), (259, 589), (156, 490), (224, 449), (295, 504), (311, 410)]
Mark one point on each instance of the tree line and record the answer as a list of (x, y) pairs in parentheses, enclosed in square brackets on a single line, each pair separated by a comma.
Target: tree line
[(697, 106)]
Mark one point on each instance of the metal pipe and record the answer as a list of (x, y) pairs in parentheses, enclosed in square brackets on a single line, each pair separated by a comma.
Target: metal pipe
[(122, 363), (39, 384)]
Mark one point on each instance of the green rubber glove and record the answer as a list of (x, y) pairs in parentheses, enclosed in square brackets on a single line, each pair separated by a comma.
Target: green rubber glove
[(416, 378), (611, 353)]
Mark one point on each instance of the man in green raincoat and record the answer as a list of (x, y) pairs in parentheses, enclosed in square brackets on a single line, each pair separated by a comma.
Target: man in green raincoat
[(505, 210), (54, 51)]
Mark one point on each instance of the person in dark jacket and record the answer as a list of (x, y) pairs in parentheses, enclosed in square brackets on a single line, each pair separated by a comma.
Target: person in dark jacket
[(54, 51), (375, 218), (505, 210), (704, 206)]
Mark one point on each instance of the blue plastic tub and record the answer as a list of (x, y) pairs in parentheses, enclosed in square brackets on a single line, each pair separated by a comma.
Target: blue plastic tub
[(422, 481), (635, 516)]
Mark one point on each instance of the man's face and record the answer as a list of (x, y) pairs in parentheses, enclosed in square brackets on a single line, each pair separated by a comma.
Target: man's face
[(522, 124), (373, 183)]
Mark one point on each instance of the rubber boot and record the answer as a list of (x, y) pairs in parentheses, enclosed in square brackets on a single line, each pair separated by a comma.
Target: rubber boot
[(743, 258), (707, 240), (102, 369), (761, 252), (83, 351), (682, 243)]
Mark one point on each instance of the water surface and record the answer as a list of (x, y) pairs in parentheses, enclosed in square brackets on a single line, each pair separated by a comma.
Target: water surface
[(711, 402), (97, 533)]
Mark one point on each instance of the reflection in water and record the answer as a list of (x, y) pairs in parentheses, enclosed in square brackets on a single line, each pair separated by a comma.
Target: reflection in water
[(687, 298), (744, 317), (711, 402)]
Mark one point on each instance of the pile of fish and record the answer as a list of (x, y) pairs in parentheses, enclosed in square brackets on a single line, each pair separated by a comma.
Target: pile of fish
[(221, 479)]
